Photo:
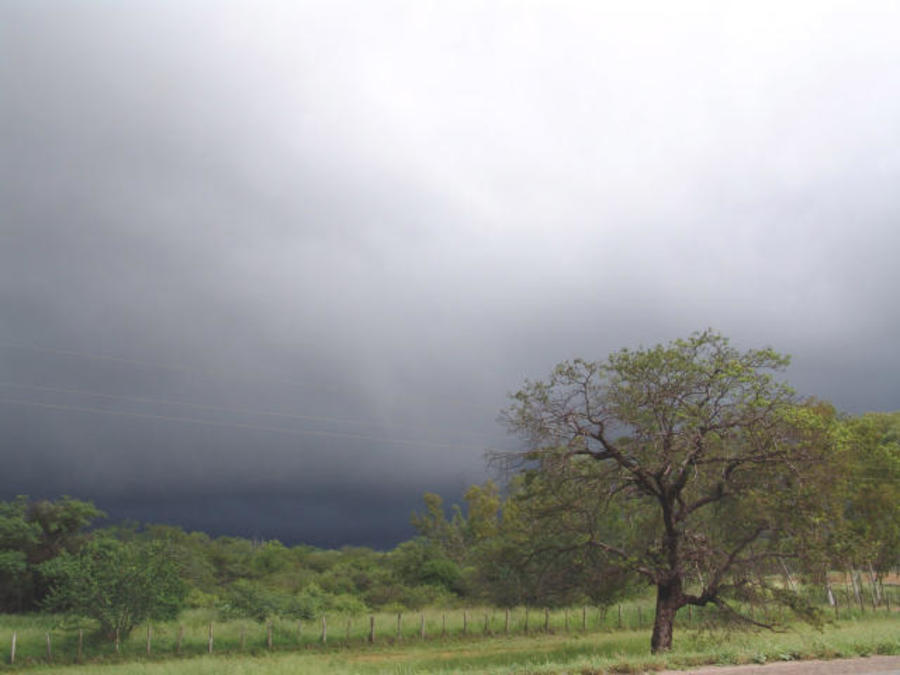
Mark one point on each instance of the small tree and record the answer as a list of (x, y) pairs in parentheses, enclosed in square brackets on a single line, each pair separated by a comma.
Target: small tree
[(688, 464), (118, 584)]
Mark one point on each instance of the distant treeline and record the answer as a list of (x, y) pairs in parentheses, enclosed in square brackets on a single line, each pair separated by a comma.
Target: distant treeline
[(495, 549)]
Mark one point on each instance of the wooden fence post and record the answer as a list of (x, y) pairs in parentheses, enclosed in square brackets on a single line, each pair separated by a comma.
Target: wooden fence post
[(80, 644), (117, 640), (372, 629), (526, 619), (12, 650), (49, 648), (149, 637), (324, 630), (179, 639), (399, 626), (444, 624), (421, 626), (506, 622), (465, 621), (583, 619), (620, 615), (546, 619), (486, 624), (566, 621), (640, 617), (269, 636), (209, 641)]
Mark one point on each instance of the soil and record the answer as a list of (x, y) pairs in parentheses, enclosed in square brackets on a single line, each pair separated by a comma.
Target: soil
[(860, 666)]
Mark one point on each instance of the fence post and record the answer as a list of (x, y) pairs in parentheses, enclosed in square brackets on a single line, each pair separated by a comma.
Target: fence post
[(117, 640), (12, 650), (620, 615), (243, 636), (640, 617), (149, 637), (299, 630), (399, 626), (444, 624), (269, 636), (465, 621), (49, 649), (80, 644), (179, 639), (421, 626), (526, 619), (583, 619), (486, 624), (506, 622), (209, 641), (347, 636), (324, 630), (372, 629), (566, 621)]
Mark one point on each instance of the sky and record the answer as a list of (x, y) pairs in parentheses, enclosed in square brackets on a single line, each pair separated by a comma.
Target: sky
[(272, 269)]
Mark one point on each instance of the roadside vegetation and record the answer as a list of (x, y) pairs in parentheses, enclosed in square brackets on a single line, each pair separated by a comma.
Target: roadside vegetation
[(599, 649), (681, 490)]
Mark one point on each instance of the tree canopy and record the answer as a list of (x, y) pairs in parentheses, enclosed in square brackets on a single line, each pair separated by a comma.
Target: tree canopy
[(120, 584), (690, 464)]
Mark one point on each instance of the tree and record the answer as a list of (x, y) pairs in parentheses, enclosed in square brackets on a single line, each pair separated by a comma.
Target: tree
[(688, 464), (120, 584), (867, 532), (32, 533)]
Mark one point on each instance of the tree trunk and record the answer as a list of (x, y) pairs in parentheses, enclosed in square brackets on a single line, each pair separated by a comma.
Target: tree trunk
[(668, 600), (876, 594)]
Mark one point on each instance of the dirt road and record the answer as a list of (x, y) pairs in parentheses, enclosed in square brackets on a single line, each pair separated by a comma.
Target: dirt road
[(865, 666)]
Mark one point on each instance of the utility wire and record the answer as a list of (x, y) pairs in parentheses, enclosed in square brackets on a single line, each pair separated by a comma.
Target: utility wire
[(200, 406), (146, 364), (140, 399), (240, 425), (220, 375)]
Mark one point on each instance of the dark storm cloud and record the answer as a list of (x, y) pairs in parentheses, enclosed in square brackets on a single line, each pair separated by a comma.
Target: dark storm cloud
[(253, 252)]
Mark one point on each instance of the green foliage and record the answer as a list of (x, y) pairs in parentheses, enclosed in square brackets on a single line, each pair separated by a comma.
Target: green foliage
[(120, 584), (32, 533), (687, 464), (873, 491)]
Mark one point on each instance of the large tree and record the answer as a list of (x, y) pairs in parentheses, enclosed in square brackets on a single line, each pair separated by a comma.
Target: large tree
[(690, 464)]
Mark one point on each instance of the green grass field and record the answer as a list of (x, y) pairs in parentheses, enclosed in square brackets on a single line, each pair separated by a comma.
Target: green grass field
[(600, 645)]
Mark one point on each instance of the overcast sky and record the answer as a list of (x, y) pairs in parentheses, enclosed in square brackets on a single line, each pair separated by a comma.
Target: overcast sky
[(272, 268)]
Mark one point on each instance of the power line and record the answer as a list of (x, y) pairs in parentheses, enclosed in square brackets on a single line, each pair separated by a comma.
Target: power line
[(210, 374), (240, 425), (200, 406), (140, 399), (146, 364)]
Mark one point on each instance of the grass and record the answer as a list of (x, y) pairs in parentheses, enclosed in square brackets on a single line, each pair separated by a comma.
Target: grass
[(603, 647)]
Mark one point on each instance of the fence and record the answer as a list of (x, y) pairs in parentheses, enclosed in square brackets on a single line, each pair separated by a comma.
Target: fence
[(33, 646)]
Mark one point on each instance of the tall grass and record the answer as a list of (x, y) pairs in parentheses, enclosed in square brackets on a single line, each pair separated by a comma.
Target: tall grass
[(615, 651), (474, 639)]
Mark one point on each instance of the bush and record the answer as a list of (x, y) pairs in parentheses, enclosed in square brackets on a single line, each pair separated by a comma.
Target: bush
[(118, 584)]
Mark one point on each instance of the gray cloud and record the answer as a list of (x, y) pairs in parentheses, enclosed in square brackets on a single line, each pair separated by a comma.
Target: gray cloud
[(344, 232)]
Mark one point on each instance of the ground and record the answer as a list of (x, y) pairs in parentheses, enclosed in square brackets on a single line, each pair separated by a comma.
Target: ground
[(872, 664)]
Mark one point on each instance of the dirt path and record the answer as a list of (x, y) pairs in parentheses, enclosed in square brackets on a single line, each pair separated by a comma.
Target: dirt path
[(862, 666)]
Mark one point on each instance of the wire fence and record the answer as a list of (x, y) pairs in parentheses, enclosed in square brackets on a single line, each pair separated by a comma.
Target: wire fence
[(194, 635)]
